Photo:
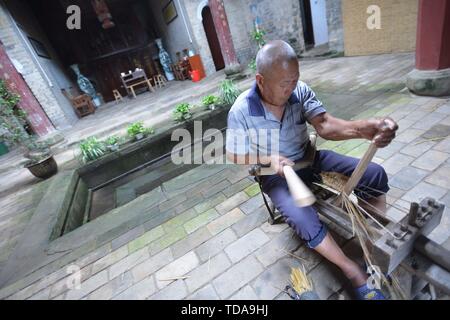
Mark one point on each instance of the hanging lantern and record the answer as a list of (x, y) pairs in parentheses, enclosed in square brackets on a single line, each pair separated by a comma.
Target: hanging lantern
[(103, 14)]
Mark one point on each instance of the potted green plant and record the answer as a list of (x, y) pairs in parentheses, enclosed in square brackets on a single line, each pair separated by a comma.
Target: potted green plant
[(252, 65), (12, 121), (258, 36), (228, 92), (182, 112), (137, 131), (92, 149), (210, 101), (112, 143)]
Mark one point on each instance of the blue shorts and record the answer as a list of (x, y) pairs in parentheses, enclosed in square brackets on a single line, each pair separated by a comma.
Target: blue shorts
[(305, 221)]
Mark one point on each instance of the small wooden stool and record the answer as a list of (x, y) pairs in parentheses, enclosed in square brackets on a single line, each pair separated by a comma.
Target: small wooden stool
[(117, 96), (160, 80)]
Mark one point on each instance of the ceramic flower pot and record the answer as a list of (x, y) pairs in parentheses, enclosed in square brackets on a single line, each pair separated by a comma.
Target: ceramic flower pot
[(139, 136), (113, 147), (43, 169)]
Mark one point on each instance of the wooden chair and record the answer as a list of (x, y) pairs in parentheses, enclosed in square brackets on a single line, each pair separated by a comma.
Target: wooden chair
[(136, 78), (159, 80), (176, 72), (117, 96), (180, 72), (82, 103)]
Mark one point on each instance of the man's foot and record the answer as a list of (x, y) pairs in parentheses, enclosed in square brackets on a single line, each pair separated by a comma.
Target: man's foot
[(364, 293), (368, 272)]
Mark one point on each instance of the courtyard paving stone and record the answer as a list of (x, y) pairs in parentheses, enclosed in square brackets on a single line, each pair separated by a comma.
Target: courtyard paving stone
[(167, 240), (237, 277), (246, 245), (407, 178), (225, 221), (201, 220), (430, 160), (215, 245)]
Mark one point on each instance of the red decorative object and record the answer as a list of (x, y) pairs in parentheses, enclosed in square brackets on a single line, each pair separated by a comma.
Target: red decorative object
[(195, 75), (195, 63), (103, 14)]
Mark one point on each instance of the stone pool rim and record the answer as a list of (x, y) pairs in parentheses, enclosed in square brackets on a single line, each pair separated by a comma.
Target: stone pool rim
[(39, 246)]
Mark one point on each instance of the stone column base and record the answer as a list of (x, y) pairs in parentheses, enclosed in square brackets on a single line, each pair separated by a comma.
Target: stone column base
[(434, 83), (233, 69), (234, 72)]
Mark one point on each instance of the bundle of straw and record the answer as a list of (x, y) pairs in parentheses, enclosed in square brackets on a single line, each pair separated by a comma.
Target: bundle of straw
[(302, 285)]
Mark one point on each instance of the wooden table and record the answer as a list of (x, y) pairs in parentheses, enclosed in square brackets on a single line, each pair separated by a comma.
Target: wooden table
[(135, 78)]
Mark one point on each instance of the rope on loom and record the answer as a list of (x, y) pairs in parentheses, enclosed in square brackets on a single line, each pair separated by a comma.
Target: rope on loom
[(360, 227), (368, 194), (373, 197)]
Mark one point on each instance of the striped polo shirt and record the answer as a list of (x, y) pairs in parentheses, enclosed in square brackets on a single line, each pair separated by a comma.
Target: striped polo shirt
[(253, 128)]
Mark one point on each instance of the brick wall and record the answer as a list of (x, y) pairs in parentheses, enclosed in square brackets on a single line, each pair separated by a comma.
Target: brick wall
[(17, 50), (281, 20), (397, 31), (335, 28), (241, 25)]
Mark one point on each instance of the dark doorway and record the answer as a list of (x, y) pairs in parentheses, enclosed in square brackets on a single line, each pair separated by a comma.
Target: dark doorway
[(102, 54), (213, 40), (308, 32)]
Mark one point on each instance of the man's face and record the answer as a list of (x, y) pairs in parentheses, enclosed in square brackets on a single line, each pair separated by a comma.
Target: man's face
[(277, 86)]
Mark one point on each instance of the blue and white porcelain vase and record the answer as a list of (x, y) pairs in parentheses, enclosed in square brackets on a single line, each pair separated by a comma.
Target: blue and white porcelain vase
[(85, 85), (165, 60)]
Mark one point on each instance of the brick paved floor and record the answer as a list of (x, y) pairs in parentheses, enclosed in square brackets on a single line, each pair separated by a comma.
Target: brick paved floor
[(216, 238)]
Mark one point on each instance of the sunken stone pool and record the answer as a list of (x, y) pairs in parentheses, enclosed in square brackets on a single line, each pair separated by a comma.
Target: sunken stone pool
[(142, 168), (98, 202)]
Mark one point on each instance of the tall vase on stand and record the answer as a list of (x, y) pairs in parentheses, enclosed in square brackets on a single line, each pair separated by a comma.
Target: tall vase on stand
[(165, 60), (86, 86)]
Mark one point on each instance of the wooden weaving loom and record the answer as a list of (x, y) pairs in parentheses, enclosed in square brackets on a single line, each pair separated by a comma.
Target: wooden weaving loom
[(395, 249)]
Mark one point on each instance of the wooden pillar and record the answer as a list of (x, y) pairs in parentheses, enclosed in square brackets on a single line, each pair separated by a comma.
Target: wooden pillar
[(433, 35), (38, 120), (432, 74), (223, 32)]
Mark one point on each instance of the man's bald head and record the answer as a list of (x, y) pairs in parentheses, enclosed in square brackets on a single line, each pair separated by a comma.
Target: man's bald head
[(275, 54)]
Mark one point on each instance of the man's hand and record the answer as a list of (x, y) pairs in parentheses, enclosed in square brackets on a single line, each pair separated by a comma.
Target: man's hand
[(277, 163), (380, 131)]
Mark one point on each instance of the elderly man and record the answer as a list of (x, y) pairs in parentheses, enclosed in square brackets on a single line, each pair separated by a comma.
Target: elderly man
[(279, 101)]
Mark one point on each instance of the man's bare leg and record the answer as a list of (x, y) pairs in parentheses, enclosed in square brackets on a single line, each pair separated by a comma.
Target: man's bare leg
[(376, 205), (329, 249)]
